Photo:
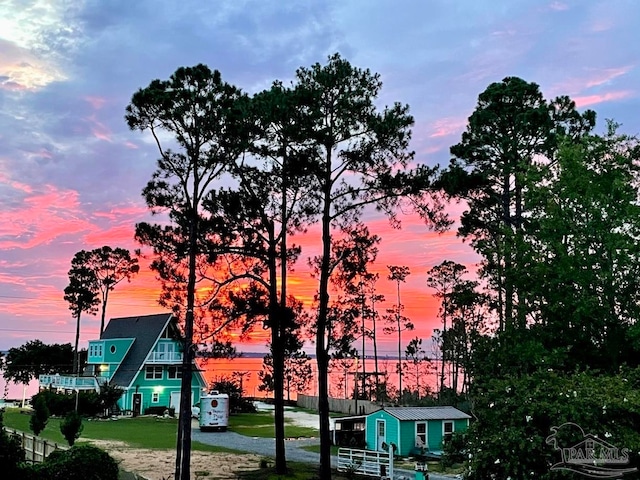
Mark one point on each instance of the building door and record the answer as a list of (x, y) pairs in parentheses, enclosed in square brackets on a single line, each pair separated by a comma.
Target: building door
[(137, 404), (174, 400), (380, 434)]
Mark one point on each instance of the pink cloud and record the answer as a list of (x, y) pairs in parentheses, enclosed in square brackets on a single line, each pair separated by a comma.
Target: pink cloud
[(606, 75), (45, 216), (96, 102), (447, 126), (99, 130), (131, 145), (585, 101)]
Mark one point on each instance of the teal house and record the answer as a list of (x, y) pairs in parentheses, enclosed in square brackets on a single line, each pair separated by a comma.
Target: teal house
[(143, 356), (413, 429)]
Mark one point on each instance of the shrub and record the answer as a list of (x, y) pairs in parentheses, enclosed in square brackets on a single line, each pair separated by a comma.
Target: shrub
[(454, 449), (160, 411), (81, 462), (11, 453), (71, 427), (90, 403), (40, 415)]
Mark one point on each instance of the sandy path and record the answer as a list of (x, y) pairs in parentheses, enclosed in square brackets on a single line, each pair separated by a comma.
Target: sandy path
[(160, 464)]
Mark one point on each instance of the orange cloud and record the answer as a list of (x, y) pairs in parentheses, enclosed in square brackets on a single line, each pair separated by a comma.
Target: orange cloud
[(46, 216)]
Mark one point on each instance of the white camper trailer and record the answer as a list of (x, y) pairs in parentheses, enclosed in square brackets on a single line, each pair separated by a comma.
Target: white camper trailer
[(214, 411)]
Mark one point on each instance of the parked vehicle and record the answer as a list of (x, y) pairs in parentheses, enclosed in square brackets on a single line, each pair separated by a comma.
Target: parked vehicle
[(214, 411)]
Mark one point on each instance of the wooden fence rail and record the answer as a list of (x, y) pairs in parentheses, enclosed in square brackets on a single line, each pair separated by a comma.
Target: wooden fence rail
[(36, 448)]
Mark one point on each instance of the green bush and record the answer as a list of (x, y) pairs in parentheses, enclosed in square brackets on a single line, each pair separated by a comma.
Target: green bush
[(160, 411), (81, 462), (71, 427), (59, 404), (11, 453), (40, 415)]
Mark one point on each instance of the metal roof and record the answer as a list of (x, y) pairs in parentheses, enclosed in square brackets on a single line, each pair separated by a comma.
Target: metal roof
[(426, 413), (145, 330)]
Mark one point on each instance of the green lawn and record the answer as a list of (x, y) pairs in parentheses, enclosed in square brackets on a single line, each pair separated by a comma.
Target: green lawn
[(141, 432), (316, 449), (151, 432), (261, 425)]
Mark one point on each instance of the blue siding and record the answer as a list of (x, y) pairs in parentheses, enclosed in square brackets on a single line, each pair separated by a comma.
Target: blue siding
[(403, 433), (392, 427)]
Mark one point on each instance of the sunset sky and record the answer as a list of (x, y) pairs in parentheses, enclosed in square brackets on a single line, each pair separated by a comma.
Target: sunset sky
[(71, 172)]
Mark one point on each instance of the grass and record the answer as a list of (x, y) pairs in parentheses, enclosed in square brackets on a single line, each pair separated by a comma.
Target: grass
[(141, 432), (152, 432), (316, 449)]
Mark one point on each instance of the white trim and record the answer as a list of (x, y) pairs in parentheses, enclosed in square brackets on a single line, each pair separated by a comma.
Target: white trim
[(426, 433), (155, 397), (383, 422), (119, 364), (141, 400), (155, 368), (453, 427), (143, 364)]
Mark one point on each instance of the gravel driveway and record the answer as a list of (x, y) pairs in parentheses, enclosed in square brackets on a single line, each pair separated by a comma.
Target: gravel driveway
[(294, 452)]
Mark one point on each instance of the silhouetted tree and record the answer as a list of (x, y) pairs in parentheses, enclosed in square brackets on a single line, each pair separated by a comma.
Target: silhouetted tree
[(110, 266), (34, 358), (398, 322), (201, 113), (81, 294)]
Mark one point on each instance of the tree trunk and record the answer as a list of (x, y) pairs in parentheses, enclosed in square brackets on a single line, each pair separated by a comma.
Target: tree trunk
[(277, 352), (183, 447), (76, 356), (322, 356), (105, 297), (375, 346)]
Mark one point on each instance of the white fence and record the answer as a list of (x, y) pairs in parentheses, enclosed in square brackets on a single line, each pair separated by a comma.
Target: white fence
[(68, 382), (342, 405), (36, 448), (366, 462)]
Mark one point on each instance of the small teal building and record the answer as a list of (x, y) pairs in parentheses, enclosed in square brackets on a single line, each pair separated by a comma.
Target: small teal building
[(413, 429), (143, 356)]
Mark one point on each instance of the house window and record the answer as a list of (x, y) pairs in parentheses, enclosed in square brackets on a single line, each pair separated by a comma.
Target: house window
[(95, 350), (112, 349), (155, 397), (421, 434), (153, 373), (174, 372), (447, 429)]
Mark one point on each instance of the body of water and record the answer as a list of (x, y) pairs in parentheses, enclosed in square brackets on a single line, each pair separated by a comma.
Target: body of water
[(341, 377)]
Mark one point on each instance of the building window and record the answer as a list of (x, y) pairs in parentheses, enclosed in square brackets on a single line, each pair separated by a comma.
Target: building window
[(155, 397), (421, 434), (447, 429), (95, 350), (153, 373), (112, 349), (174, 372)]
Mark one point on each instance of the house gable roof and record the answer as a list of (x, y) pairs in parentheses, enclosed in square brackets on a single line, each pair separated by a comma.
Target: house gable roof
[(426, 413), (145, 330)]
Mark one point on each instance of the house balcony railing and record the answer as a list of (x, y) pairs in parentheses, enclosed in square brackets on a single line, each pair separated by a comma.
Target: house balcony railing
[(164, 357), (69, 382)]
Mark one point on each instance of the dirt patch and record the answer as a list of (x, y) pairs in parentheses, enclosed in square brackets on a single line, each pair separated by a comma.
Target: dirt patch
[(161, 464)]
